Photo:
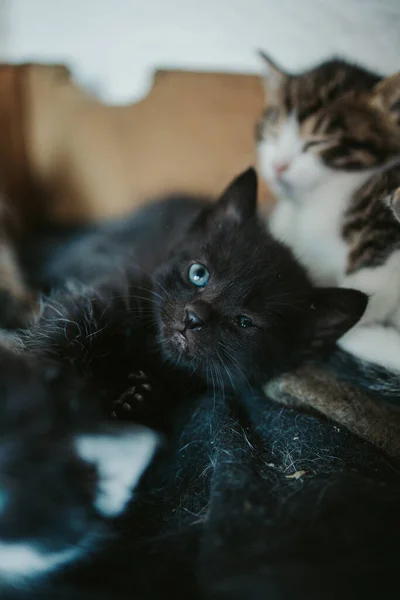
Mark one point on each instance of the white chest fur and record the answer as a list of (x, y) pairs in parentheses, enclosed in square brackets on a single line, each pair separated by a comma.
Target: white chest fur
[(322, 252), (311, 227)]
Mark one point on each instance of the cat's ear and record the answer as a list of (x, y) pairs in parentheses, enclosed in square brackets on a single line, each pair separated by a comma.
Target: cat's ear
[(332, 312), (386, 97), (273, 78), (120, 456), (239, 201)]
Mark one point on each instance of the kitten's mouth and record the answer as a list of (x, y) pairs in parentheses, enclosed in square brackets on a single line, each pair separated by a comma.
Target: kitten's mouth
[(180, 341), (178, 347)]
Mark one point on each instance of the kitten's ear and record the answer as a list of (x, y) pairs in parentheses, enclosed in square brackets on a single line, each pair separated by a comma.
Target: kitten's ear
[(239, 201), (274, 77), (386, 97), (333, 311), (120, 455)]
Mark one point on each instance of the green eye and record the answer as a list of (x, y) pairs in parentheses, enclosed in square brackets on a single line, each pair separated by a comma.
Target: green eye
[(244, 321), (198, 275)]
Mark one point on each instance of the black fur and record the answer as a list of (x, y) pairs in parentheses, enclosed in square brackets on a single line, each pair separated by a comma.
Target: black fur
[(227, 458), (48, 490), (251, 275), (220, 516), (107, 337)]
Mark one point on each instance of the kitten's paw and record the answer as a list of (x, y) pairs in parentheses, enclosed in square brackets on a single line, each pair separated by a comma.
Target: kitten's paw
[(15, 312), (394, 203), (138, 393)]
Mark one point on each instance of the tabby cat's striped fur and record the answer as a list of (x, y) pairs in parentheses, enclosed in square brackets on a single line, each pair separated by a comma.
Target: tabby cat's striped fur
[(329, 145)]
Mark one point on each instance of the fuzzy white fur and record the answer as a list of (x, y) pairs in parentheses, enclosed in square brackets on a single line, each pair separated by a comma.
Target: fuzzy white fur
[(120, 456), (308, 217), (120, 459)]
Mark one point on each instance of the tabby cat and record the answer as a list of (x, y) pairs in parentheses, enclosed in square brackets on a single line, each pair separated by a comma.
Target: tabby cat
[(329, 145)]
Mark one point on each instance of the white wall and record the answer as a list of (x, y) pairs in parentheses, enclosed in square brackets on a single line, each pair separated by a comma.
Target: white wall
[(114, 45)]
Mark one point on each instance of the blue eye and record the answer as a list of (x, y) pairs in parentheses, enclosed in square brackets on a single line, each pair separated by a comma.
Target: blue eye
[(244, 321), (198, 275)]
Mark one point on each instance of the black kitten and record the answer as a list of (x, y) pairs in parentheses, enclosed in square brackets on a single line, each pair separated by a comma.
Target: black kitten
[(186, 293), (230, 303)]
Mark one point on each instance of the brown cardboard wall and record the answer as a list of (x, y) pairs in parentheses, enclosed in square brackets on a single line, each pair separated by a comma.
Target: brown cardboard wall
[(192, 133)]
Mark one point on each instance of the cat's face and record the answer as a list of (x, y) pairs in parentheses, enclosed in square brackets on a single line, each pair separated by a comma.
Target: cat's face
[(333, 122), (235, 305), (62, 477)]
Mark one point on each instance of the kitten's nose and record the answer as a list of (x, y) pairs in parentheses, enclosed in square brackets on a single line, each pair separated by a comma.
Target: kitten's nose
[(192, 320), (280, 168), (197, 315)]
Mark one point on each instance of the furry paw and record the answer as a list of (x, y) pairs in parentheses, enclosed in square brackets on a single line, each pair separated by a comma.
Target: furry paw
[(133, 398)]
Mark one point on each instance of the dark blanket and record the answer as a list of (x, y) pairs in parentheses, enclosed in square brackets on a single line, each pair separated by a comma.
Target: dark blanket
[(253, 502)]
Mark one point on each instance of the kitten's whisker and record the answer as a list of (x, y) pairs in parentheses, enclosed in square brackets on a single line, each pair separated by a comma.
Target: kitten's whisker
[(194, 369), (283, 295), (216, 390), (213, 382), (149, 290), (220, 380), (237, 365), (132, 297), (179, 358), (167, 294), (157, 295), (298, 308), (228, 374)]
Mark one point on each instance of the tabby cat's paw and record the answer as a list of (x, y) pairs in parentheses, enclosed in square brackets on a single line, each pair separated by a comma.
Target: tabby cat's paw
[(131, 401)]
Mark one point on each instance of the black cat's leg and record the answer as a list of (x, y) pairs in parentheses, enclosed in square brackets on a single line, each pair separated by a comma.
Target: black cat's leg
[(317, 389), (103, 333), (79, 319), (108, 336)]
